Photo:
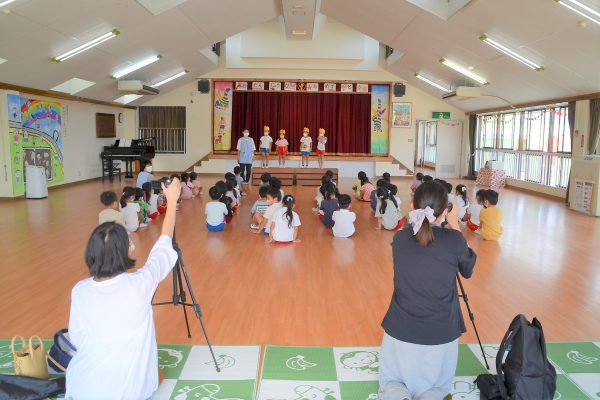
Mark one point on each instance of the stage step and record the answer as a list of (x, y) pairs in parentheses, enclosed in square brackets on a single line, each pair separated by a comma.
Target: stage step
[(294, 176), (391, 168)]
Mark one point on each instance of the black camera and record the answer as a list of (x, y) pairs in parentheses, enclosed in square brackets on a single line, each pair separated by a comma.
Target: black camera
[(156, 184)]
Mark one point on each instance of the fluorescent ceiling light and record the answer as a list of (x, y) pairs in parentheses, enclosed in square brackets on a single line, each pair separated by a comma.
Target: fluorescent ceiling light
[(136, 66), (298, 32), (86, 46), (572, 4), (73, 86), (5, 3), (510, 53), (432, 83), (128, 98), (182, 73), (3, 60), (464, 71)]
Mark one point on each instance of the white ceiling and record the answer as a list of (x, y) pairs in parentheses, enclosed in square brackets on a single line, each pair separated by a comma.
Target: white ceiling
[(542, 30)]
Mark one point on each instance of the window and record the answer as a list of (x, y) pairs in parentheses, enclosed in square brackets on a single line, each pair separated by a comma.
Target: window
[(166, 125), (533, 144)]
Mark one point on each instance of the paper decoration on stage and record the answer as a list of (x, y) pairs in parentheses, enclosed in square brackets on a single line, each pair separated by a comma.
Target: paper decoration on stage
[(222, 106), (402, 115), (35, 131), (347, 87), (241, 86), (362, 88), (289, 86), (275, 86), (312, 87), (258, 86), (380, 98), (329, 87)]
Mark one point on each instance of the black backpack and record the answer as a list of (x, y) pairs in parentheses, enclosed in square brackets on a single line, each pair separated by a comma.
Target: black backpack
[(526, 372)]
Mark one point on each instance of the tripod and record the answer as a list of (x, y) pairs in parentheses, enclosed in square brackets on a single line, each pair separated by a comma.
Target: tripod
[(179, 297), (471, 317)]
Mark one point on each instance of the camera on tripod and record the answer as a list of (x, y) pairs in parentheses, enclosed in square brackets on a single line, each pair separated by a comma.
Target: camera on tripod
[(156, 184)]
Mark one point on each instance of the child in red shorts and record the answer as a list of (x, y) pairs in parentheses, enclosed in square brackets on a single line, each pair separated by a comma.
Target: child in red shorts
[(321, 140), (282, 147)]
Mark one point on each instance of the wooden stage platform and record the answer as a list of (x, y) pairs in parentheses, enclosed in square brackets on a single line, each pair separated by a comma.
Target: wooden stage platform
[(294, 176)]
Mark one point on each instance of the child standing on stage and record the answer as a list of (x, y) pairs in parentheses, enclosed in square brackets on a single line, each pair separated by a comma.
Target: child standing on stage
[(321, 140), (282, 148), (343, 218), (265, 146), (285, 223), (305, 147)]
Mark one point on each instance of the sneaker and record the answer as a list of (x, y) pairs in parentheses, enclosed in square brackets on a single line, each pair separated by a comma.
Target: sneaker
[(254, 226)]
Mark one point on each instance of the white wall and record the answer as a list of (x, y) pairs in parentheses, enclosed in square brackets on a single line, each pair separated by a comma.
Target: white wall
[(199, 110), (81, 148)]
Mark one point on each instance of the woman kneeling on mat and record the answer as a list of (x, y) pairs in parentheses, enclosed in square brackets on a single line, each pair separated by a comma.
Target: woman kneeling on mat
[(419, 352), (111, 322)]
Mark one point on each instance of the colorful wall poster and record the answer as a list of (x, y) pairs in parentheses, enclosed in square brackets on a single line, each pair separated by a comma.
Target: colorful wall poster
[(35, 132), (380, 98), (222, 103), (402, 115)]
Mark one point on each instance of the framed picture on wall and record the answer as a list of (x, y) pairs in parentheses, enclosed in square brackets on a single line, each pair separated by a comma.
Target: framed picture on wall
[(401, 115)]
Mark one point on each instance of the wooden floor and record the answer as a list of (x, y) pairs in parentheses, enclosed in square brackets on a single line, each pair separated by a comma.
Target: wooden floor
[(322, 291)]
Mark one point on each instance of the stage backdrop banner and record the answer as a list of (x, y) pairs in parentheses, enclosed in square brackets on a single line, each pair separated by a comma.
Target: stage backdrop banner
[(35, 131), (222, 106), (380, 97)]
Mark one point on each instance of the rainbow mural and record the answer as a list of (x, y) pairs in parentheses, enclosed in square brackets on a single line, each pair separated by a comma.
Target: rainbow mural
[(35, 131)]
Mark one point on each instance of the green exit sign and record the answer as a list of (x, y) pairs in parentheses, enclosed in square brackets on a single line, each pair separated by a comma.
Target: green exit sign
[(440, 115)]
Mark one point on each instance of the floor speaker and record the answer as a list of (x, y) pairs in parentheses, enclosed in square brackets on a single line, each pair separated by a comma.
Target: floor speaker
[(399, 89), (204, 86)]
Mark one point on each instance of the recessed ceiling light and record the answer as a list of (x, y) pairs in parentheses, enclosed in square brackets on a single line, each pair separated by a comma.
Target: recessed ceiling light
[(6, 2), (127, 98), (493, 43), (6, 11), (298, 7), (298, 32), (73, 86), (182, 73), (464, 71), (86, 46), (136, 66), (432, 83)]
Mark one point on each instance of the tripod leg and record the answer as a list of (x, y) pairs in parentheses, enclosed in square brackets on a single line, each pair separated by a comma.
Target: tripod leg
[(182, 296), (472, 318)]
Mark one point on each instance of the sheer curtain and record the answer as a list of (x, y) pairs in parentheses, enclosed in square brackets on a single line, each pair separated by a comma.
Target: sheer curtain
[(345, 117), (594, 144)]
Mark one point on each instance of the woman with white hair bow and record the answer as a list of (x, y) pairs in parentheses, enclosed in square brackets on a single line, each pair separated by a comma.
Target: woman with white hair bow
[(419, 352)]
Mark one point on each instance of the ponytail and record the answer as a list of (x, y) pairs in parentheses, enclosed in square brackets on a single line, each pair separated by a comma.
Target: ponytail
[(383, 194), (127, 193), (425, 235), (288, 202), (461, 190)]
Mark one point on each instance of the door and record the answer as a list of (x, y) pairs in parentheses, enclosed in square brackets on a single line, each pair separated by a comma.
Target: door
[(449, 149)]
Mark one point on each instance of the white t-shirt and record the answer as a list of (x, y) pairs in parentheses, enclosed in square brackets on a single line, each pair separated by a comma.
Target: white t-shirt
[(153, 203), (321, 140), (215, 213), (462, 206), (266, 141), (112, 327), (282, 232), (344, 223), (475, 210), (305, 143), (269, 213), (130, 213)]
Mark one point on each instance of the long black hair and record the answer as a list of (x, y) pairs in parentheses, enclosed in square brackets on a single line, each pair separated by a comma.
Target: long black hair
[(435, 196), (147, 188), (329, 190), (364, 179), (461, 190), (384, 194), (128, 192), (288, 202)]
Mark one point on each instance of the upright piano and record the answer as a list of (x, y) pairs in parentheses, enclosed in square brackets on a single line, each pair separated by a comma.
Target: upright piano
[(138, 149)]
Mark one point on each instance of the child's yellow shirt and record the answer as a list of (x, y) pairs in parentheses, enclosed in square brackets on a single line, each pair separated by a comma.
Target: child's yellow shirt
[(490, 223)]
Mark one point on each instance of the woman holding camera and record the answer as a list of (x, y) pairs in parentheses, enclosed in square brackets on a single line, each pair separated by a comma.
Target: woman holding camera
[(111, 322), (419, 352)]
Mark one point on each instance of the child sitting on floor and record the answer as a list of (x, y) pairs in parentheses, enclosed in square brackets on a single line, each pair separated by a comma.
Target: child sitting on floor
[(285, 223), (130, 210), (232, 194), (388, 213), (264, 221), (152, 200), (343, 218), (264, 179), (110, 212), (472, 217), (197, 186), (461, 200), (140, 198), (238, 179), (366, 187), (276, 183), (321, 192), (417, 182), (490, 217), (222, 187), (259, 207), (329, 205), (381, 183), (186, 191), (358, 184), (215, 211)]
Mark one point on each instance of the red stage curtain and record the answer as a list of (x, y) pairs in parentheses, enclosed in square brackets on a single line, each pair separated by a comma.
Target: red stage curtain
[(346, 118)]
